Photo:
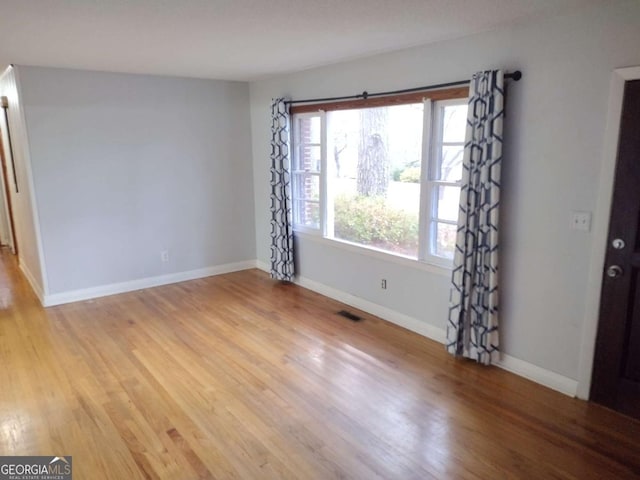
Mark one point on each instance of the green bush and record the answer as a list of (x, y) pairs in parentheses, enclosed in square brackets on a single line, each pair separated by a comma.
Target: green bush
[(369, 221), (410, 175)]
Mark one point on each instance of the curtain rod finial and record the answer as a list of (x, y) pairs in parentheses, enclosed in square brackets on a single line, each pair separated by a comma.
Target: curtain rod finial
[(517, 75)]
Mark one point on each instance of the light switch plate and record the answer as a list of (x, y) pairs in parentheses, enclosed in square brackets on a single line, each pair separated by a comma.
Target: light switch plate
[(581, 221)]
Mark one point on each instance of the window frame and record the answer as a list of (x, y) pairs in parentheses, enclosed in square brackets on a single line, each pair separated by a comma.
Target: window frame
[(428, 220), (296, 173), (430, 182)]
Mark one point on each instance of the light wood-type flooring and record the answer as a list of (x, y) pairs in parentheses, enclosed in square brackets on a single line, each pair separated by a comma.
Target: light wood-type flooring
[(237, 376)]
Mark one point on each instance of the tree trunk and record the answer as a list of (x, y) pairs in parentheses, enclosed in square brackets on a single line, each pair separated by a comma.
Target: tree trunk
[(373, 157)]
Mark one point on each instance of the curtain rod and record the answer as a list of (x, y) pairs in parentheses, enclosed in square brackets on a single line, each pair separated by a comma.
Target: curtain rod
[(517, 75)]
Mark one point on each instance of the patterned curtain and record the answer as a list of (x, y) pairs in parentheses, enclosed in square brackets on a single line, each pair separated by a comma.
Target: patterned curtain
[(472, 330), (281, 229)]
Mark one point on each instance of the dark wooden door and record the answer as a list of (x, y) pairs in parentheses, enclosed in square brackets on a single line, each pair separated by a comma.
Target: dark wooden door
[(616, 370)]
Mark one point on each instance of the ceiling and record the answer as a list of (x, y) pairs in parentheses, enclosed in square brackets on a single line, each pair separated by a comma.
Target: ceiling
[(241, 39)]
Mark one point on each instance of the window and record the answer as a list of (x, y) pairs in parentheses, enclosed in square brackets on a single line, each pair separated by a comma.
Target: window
[(384, 176), (306, 171), (445, 176)]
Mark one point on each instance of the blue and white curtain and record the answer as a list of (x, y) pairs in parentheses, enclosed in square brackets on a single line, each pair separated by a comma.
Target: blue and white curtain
[(472, 330), (281, 220)]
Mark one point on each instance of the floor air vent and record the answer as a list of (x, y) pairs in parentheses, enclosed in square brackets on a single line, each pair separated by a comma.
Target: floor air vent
[(349, 315)]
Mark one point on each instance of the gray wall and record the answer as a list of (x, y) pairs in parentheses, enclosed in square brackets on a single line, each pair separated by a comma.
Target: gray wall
[(126, 166), (554, 131)]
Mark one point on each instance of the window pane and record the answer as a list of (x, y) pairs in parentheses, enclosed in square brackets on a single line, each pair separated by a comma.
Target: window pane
[(306, 214), (454, 123), (372, 221), (374, 157), (445, 243), (308, 158), (306, 186), (308, 129), (446, 203), (451, 163)]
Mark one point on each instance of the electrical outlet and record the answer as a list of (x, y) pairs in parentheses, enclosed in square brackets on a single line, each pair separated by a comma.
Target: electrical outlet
[(581, 221), (383, 284), (164, 256)]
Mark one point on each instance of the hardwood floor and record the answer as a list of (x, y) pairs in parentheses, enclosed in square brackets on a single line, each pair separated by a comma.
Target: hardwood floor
[(236, 376)]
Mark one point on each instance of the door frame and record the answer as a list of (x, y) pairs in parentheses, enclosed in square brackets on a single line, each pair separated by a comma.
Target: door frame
[(13, 243), (601, 227)]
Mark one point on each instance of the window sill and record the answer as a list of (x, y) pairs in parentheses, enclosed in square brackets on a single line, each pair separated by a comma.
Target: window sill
[(444, 271)]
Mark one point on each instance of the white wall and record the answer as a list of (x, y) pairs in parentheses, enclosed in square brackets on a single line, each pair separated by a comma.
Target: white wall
[(126, 166), (25, 214), (553, 149)]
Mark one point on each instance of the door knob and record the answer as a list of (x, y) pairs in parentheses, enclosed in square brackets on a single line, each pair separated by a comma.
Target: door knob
[(614, 271), (618, 243)]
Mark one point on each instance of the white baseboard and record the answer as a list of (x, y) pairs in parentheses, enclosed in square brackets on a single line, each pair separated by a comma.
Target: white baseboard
[(115, 288), (545, 377), (410, 323), (524, 369), (37, 289)]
